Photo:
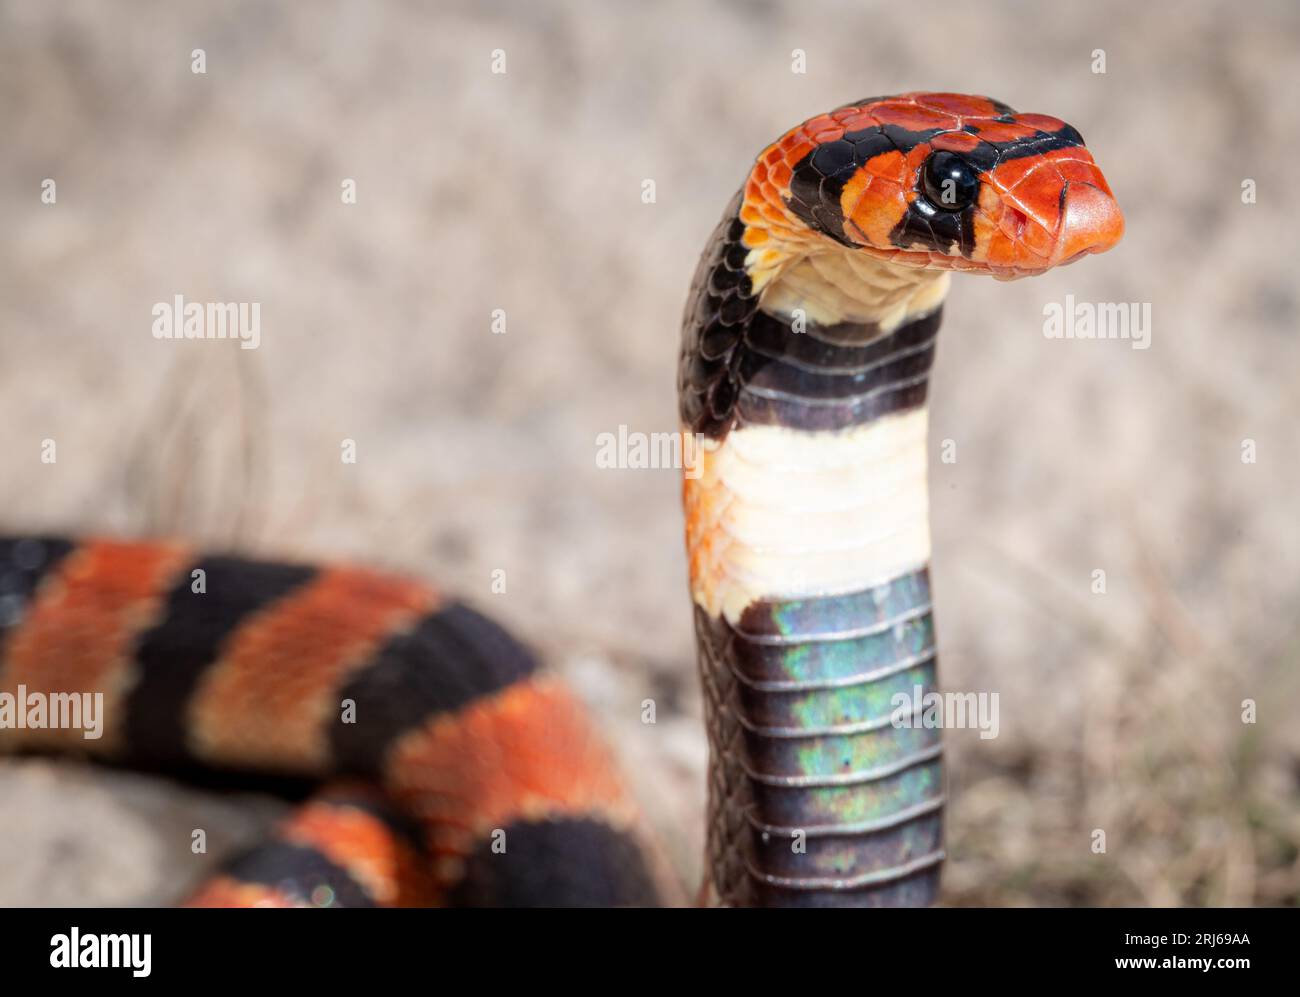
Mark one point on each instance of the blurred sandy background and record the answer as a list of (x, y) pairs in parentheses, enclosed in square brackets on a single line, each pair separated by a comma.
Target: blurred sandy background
[(476, 452)]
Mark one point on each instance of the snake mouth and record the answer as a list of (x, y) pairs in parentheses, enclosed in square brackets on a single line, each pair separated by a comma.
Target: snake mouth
[(923, 259)]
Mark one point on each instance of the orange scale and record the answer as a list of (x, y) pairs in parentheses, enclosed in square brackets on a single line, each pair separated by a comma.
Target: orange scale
[(914, 117), (1041, 122), (279, 671), (1013, 171), (81, 629), (1002, 249), (527, 752), (955, 142), (888, 166), (966, 105), (1081, 172), (1003, 131), (874, 208), (915, 157), (1038, 240), (918, 259), (858, 120), (1040, 196), (884, 191), (782, 174), (1012, 202), (798, 150), (1074, 152)]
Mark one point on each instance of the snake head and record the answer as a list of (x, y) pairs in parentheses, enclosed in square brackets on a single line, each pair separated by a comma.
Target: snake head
[(936, 181)]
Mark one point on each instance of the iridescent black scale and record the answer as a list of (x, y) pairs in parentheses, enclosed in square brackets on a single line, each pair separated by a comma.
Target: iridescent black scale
[(742, 366), (821, 798), (831, 377), (718, 310)]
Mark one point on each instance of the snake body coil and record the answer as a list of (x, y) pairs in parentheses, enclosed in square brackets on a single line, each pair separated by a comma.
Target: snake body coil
[(455, 772)]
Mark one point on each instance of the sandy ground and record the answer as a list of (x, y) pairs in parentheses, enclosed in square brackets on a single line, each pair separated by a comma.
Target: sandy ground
[(522, 191)]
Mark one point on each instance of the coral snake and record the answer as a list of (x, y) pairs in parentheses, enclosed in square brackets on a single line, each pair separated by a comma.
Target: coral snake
[(455, 771)]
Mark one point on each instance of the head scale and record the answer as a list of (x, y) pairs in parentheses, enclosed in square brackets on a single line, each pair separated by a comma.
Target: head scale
[(931, 180)]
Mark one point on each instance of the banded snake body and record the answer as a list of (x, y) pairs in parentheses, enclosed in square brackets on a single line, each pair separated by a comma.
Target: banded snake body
[(467, 775)]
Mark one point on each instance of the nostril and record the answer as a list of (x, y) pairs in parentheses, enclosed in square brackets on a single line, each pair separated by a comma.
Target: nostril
[(1018, 221)]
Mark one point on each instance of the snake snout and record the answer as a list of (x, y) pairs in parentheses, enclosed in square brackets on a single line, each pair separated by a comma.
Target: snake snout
[(1091, 222)]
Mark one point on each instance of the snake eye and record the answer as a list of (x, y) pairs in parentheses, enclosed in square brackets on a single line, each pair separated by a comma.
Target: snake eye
[(950, 182)]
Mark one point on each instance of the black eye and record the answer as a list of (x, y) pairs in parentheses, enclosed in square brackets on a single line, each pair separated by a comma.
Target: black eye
[(950, 182)]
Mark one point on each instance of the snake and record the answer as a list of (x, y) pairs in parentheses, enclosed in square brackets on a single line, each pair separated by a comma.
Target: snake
[(436, 762)]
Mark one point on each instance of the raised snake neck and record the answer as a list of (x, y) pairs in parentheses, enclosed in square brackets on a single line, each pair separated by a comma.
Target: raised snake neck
[(806, 348), (817, 492)]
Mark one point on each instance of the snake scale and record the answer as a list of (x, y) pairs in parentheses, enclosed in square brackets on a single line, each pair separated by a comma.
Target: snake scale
[(466, 775)]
